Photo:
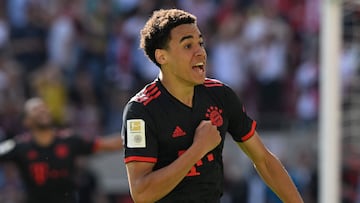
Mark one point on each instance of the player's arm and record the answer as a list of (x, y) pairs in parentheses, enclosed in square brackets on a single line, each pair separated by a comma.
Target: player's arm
[(83, 146), (271, 170), (147, 185), (109, 143)]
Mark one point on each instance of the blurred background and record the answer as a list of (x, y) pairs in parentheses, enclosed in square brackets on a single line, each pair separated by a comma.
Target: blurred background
[(83, 58)]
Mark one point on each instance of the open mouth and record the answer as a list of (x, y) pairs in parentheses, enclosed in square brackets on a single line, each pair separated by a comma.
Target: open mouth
[(200, 67)]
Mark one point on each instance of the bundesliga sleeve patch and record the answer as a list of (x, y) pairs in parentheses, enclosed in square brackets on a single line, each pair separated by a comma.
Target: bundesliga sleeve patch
[(136, 133)]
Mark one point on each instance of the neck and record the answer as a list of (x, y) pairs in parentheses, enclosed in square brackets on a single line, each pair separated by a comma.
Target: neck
[(43, 137), (184, 93)]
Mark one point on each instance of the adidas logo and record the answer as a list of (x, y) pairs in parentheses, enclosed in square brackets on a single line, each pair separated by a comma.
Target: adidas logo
[(178, 132)]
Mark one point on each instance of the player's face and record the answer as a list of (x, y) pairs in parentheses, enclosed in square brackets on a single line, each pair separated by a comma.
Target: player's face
[(38, 115), (186, 55)]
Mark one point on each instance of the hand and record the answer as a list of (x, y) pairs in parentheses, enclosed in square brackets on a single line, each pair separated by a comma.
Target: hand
[(207, 137)]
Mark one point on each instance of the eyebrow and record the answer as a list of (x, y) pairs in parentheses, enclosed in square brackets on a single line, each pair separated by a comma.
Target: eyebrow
[(188, 37)]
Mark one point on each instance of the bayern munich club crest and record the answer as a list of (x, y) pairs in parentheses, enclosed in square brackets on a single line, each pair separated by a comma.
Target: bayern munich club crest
[(61, 151), (214, 114)]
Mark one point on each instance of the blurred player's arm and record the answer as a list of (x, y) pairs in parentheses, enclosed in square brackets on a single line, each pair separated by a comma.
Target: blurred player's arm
[(111, 142), (271, 170), (148, 186)]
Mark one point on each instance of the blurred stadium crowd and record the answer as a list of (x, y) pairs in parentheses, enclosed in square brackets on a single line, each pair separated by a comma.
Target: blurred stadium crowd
[(83, 58)]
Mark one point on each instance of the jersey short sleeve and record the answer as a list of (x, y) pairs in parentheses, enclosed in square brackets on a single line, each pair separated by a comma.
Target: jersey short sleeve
[(241, 126), (140, 141)]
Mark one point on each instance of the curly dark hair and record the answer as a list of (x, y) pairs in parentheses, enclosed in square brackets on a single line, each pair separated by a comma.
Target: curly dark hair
[(156, 32)]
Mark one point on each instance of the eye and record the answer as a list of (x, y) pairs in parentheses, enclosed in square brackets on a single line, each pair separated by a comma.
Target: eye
[(187, 46), (202, 44)]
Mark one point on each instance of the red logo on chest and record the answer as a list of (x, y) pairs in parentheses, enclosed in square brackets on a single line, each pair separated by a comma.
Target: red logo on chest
[(214, 114), (61, 151), (178, 132)]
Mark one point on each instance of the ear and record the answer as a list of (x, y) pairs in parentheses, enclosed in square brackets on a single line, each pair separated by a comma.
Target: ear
[(160, 56)]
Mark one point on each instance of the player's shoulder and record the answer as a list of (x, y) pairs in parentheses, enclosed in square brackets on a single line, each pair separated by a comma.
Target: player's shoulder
[(147, 95), (64, 133), (68, 136), (210, 82), (217, 87), (23, 138), (214, 85)]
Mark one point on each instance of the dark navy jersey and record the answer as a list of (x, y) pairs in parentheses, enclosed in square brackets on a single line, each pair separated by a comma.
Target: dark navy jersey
[(47, 172), (158, 128)]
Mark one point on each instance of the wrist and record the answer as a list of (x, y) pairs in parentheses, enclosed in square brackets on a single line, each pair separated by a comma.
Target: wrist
[(198, 150)]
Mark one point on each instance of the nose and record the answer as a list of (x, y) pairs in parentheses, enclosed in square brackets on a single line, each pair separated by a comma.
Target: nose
[(200, 51)]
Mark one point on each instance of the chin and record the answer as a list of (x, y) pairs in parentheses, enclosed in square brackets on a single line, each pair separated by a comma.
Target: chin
[(200, 81), (194, 81)]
